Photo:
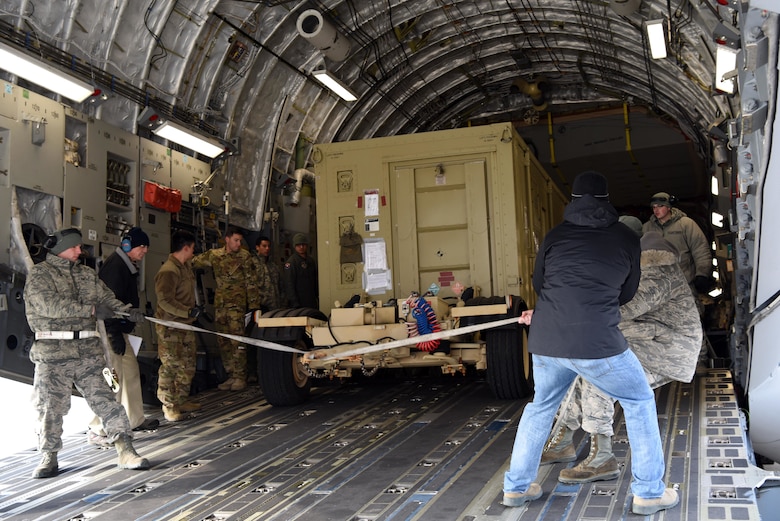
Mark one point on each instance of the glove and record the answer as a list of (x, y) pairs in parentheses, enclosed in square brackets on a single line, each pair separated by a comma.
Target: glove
[(117, 342), (103, 312), (196, 312), (701, 283), (135, 315)]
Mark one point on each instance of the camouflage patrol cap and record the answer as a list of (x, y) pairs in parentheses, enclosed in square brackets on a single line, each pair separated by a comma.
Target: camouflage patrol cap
[(299, 238)]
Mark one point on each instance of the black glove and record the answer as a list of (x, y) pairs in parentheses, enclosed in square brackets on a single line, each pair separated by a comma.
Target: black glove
[(103, 312), (117, 342), (701, 283), (196, 312), (135, 315)]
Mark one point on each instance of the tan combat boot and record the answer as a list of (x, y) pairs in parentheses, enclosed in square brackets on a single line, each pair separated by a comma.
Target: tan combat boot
[(173, 413), (238, 385), (48, 467), (128, 457), (559, 448), (600, 464), (226, 385), (189, 406)]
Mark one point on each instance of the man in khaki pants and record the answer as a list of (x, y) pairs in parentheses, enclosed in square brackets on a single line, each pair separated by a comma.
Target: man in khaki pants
[(120, 274)]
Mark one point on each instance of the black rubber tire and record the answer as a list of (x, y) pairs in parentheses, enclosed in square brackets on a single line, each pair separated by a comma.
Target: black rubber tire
[(506, 365), (509, 369), (282, 378)]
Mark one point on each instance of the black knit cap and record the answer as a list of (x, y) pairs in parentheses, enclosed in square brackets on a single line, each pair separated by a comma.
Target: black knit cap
[(592, 183), (137, 237)]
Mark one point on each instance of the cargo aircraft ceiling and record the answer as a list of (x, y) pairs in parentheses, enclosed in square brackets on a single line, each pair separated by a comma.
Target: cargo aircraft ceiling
[(575, 76)]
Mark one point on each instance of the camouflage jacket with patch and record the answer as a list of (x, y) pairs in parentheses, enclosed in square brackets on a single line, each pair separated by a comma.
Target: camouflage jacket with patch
[(61, 295), (236, 276)]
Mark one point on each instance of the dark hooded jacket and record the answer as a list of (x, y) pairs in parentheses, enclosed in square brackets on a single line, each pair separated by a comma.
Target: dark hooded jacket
[(586, 268)]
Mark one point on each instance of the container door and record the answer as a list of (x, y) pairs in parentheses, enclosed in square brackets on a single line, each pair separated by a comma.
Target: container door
[(442, 232)]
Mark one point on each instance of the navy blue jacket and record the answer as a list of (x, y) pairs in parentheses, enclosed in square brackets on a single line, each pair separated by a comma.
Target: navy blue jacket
[(586, 268)]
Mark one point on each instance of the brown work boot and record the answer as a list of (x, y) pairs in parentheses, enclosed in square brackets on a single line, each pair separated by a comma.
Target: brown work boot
[(600, 464), (189, 406), (238, 384), (128, 457), (226, 385), (48, 467), (173, 414), (648, 506), (559, 448)]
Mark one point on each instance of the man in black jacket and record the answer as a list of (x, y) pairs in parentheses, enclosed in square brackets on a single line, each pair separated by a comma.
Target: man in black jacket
[(586, 268), (120, 273)]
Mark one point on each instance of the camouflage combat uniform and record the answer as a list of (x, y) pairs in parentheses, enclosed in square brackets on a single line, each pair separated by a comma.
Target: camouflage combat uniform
[(270, 284), (662, 326), (300, 282), (237, 292), (174, 285), (61, 296)]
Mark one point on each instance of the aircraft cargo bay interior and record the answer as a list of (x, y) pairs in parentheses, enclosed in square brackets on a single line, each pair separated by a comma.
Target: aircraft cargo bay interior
[(289, 253)]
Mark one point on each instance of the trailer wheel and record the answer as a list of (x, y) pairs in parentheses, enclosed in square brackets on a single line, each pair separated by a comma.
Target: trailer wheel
[(509, 369), (282, 377)]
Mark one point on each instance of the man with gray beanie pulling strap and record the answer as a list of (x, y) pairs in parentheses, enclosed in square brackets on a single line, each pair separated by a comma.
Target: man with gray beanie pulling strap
[(585, 269), (63, 302)]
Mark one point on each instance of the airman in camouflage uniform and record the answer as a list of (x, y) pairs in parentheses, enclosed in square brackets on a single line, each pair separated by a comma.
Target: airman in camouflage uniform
[(662, 326), (269, 275), (237, 292), (174, 285), (63, 301)]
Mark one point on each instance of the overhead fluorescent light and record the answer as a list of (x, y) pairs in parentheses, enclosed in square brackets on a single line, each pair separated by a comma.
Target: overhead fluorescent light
[(725, 68), (24, 66), (335, 85), (656, 37), (189, 139)]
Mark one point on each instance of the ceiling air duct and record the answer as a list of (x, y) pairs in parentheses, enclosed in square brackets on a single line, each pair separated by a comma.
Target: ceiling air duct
[(322, 35), (536, 90)]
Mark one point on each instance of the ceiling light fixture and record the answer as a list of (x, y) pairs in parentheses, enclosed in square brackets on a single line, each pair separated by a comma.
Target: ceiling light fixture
[(656, 37), (189, 139), (24, 66), (335, 85)]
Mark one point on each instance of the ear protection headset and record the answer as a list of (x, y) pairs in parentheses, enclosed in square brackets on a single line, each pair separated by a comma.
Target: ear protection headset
[(52, 240), (127, 244)]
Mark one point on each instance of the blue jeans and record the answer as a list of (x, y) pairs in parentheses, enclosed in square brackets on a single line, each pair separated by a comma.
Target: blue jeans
[(621, 377)]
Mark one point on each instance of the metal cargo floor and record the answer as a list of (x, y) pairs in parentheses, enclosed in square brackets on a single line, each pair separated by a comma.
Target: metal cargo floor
[(424, 449)]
